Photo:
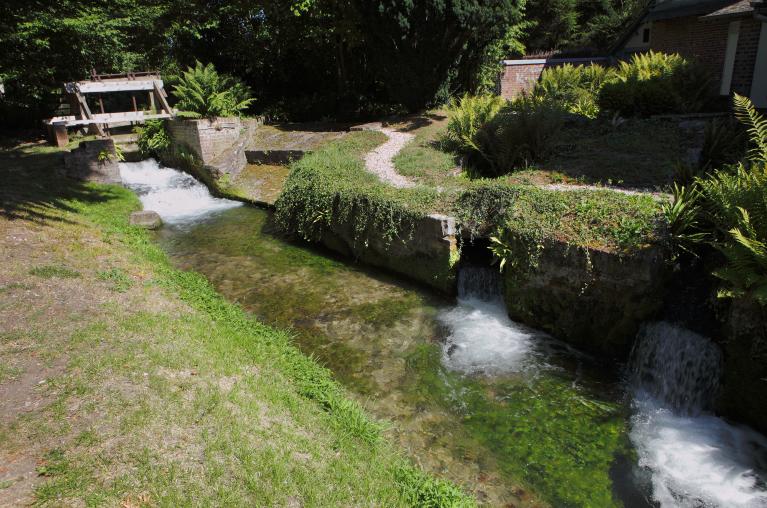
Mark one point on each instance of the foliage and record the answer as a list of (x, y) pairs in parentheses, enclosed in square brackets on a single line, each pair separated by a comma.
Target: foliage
[(331, 186), (732, 214), (756, 125), (736, 209), (422, 490), (563, 24), (414, 47), (574, 88), (682, 215), (467, 116), (656, 83), (600, 219), (496, 137), (204, 92), (516, 137), (153, 138), (53, 271)]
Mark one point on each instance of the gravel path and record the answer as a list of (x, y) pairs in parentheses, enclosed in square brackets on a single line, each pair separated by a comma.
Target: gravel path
[(379, 161), (660, 196)]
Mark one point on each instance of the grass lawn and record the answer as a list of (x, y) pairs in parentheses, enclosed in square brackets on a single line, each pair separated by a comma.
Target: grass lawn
[(634, 154), (127, 382)]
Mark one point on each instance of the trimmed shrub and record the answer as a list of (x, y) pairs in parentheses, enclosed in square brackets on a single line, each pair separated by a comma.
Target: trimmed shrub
[(655, 83)]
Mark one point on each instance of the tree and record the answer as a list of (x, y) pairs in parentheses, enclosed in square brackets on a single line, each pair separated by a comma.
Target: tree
[(415, 45)]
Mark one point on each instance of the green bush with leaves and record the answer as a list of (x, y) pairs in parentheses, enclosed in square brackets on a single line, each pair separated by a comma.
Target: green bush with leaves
[(153, 138), (655, 83), (728, 210), (574, 88), (496, 137), (203, 92), (467, 116)]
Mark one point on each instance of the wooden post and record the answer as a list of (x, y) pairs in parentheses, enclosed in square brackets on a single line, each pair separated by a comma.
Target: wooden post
[(151, 102), (135, 106), (101, 104)]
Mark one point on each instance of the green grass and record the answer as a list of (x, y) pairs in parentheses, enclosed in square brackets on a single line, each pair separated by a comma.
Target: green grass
[(50, 272), (331, 187), (349, 462), (120, 281)]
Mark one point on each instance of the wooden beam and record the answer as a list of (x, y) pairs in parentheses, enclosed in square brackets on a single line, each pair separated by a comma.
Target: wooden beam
[(161, 97), (107, 118), (133, 85), (88, 114)]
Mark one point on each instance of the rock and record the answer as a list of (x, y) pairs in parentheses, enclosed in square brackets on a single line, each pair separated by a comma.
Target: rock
[(372, 126), (93, 161), (146, 219)]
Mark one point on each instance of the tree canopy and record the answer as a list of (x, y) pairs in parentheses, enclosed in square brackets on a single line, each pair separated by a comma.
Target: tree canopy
[(302, 58)]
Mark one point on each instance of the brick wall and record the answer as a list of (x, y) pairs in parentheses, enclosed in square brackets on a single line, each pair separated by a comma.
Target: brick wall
[(706, 42), (519, 78), (521, 75)]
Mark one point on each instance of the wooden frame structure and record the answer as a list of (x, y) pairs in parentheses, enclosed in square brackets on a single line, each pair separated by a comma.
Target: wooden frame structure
[(149, 82)]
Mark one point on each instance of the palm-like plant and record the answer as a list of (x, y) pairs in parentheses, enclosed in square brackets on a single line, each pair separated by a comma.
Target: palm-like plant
[(202, 91), (756, 124)]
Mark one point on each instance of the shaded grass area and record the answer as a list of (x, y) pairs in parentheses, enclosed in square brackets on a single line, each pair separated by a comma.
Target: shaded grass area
[(172, 396)]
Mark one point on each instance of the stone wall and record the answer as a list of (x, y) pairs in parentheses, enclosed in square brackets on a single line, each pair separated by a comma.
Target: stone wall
[(744, 386), (592, 299), (521, 75), (218, 143), (427, 256), (93, 161)]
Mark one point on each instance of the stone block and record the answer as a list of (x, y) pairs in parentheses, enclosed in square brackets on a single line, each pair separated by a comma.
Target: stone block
[(93, 161), (146, 219)]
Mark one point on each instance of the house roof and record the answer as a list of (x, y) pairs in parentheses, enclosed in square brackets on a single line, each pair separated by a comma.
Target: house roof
[(702, 8)]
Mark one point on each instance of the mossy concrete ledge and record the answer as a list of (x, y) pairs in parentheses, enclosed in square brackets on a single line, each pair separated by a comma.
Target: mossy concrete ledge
[(593, 299), (428, 254), (744, 383)]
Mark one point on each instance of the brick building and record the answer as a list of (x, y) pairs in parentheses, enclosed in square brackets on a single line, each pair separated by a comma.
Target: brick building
[(729, 37)]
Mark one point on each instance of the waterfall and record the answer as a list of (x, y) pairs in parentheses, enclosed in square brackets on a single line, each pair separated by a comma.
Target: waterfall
[(175, 195), (695, 459), (481, 338), (677, 367)]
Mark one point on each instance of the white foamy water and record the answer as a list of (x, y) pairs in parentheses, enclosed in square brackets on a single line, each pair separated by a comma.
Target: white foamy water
[(173, 194), (482, 339), (696, 459)]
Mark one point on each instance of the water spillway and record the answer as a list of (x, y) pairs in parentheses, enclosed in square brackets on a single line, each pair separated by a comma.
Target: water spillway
[(511, 414), (695, 458)]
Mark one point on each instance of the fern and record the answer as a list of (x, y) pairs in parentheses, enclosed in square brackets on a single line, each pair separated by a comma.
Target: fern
[(202, 91), (756, 125)]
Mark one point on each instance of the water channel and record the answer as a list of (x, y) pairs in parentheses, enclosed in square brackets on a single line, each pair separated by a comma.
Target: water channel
[(514, 416)]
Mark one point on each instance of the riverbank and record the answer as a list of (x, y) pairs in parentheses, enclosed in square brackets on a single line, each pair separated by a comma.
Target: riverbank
[(126, 381)]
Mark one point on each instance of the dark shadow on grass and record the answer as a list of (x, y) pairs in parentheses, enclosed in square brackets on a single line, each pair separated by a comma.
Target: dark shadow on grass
[(32, 187), (419, 121)]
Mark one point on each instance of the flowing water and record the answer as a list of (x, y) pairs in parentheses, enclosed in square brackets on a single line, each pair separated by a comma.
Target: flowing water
[(516, 417)]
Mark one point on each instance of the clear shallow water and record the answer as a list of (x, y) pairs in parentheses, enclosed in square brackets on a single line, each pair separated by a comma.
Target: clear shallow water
[(515, 417)]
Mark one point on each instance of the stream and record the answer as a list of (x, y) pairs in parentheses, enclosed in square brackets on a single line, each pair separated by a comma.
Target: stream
[(514, 416)]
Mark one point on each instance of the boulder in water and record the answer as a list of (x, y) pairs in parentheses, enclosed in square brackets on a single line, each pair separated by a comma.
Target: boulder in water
[(146, 219)]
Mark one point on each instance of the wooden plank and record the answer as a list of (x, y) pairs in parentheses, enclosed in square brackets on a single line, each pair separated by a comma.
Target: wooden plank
[(161, 97), (88, 114), (107, 118), (133, 85)]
